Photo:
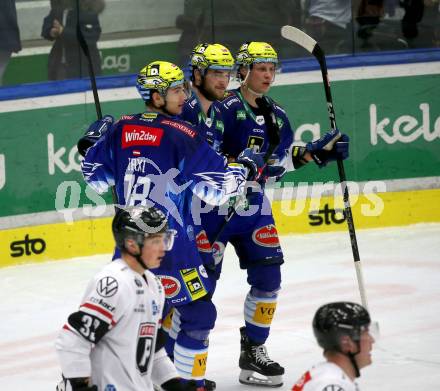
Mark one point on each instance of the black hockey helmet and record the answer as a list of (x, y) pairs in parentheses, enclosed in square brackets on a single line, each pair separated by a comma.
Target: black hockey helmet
[(136, 223), (333, 320)]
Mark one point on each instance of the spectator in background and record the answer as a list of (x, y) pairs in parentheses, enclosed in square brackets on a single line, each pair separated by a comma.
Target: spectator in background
[(329, 22), (9, 34), (233, 22), (66, 59), (190, 22)]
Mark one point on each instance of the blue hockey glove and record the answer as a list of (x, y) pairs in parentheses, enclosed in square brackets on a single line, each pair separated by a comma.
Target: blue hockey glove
[(94, 133), (253, 161), (273, 169), (332, 146)]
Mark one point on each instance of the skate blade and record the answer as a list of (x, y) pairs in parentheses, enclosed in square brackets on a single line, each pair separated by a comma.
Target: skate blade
[(256, 379)]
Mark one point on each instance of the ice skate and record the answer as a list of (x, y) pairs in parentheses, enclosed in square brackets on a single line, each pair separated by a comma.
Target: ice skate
[(256, 366)]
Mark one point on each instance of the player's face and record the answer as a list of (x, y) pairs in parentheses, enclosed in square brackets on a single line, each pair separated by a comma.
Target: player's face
[(175, 99), (261, 77), (153, 250), (215, 83), (363, 358)]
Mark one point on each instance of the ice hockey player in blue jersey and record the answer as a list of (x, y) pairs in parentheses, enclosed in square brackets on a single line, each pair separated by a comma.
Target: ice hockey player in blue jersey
[(155, 159), (247, 123), (211, 67)]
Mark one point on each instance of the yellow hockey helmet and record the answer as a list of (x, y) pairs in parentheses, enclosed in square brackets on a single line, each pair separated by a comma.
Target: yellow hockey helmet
[(212, 56), (255, 52), (158, 76)]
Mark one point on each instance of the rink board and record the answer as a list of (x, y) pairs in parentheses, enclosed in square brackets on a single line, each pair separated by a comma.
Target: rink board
[(311, 215)]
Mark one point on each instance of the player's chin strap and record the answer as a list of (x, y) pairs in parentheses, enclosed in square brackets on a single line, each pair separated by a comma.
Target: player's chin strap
[(138, 257), (244, 85), (352, 358)]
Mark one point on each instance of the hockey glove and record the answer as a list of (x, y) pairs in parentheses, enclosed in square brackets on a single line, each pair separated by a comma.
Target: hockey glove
[(332, 146), (253, 161), (94, 133), (176, 384), (75, 384), (273, 169)]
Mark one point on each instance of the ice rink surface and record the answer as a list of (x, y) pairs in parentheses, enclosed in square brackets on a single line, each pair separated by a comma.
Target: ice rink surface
[(402, 276)]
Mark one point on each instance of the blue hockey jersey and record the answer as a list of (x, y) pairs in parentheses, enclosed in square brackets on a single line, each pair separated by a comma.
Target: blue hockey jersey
[(156, 160), (209, 126)]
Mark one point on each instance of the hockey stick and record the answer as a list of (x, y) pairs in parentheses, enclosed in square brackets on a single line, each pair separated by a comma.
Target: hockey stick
[(302, 39), (85, 48), (273, 133)]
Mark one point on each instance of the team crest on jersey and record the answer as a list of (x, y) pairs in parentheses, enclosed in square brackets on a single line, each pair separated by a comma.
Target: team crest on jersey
[(333, 387), (171, 286), (266, 236), (107, 287)]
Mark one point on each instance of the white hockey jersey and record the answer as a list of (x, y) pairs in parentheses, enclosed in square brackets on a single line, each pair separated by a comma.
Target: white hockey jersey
[(112, 337), (325, 376)]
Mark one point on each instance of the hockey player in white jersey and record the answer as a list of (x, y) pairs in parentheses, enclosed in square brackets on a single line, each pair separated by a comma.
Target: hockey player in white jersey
[(342, 330), (113, 341)]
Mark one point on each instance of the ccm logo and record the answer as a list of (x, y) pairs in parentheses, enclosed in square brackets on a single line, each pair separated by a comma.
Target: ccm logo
[(135, 135), (27, 246)]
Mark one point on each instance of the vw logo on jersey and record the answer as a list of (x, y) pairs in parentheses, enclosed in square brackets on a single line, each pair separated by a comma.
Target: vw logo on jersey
[(259, 119), (107, 287), (333, 387), (110, 387)]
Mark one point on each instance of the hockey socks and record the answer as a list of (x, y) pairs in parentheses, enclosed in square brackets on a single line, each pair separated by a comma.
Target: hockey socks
[(259, 310), (190, 356)]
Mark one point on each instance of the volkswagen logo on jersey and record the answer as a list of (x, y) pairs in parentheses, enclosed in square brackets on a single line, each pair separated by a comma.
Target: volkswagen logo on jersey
[(107, 287), (332, 387)]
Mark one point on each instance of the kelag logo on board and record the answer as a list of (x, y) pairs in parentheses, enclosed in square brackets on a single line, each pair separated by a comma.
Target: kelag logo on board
[(326, 216), (27, 247), (405, 128)]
